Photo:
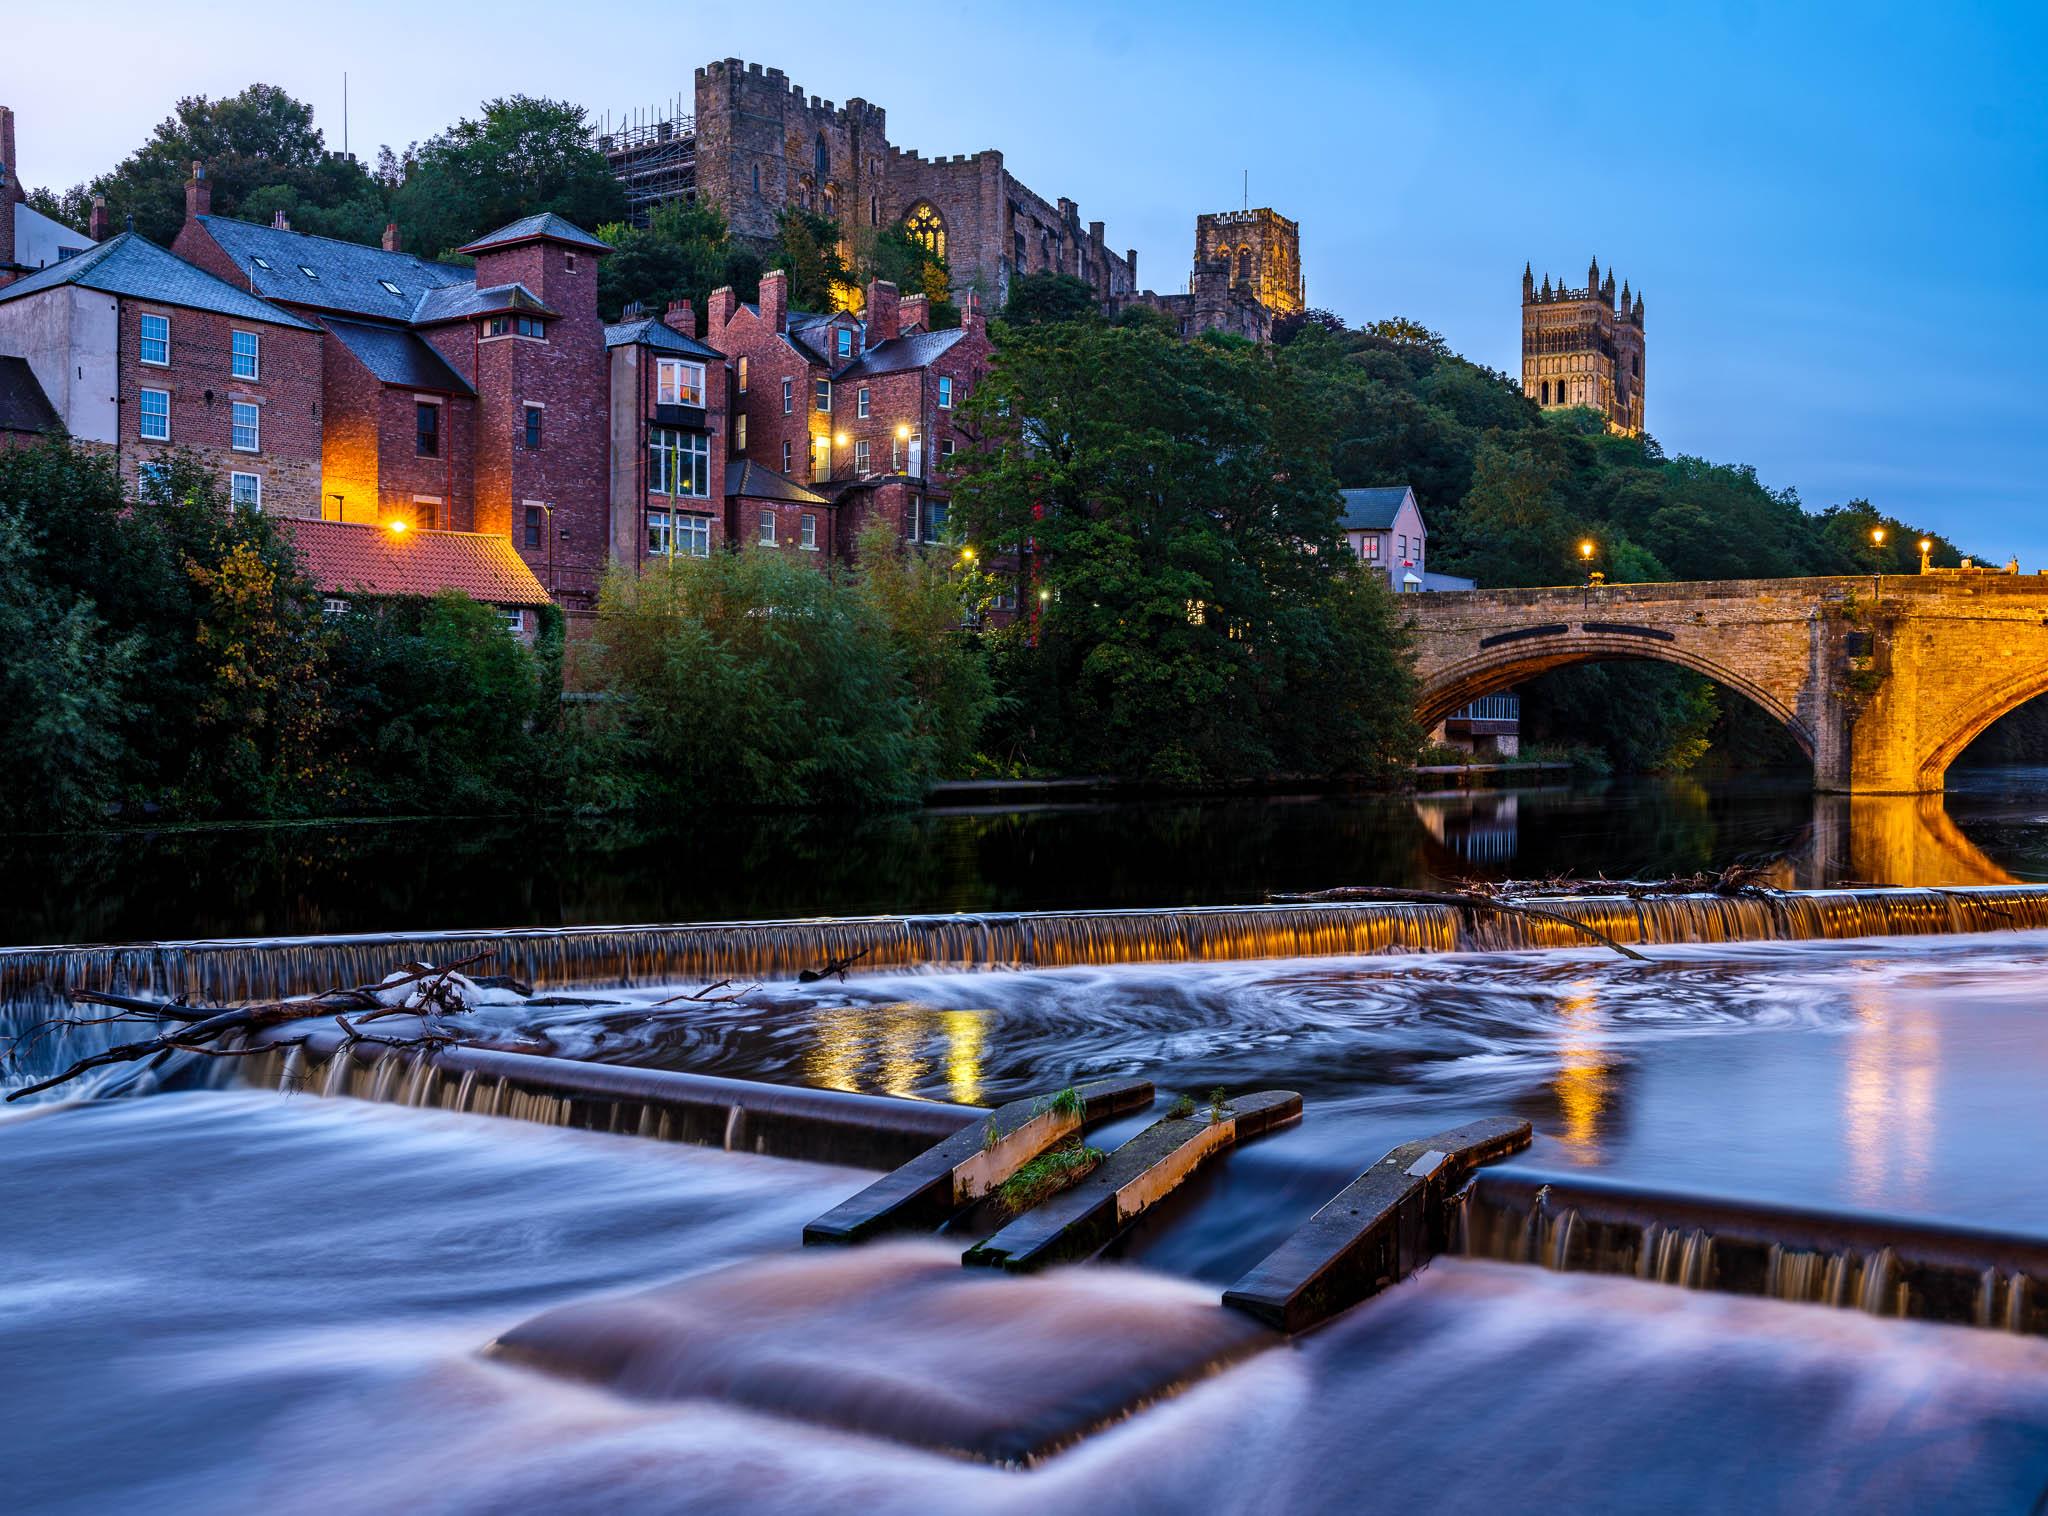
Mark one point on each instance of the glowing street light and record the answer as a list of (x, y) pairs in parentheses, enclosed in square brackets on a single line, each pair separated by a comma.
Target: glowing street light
[(1926, 547), (397, 526), (1586, 551), (967, 555), (1877, 536)]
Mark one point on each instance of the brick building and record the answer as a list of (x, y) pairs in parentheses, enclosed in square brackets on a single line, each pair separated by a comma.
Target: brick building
[(1246, 275), (29, 240), (840, 420), (1584, 347), (355, 561), (669, 401)]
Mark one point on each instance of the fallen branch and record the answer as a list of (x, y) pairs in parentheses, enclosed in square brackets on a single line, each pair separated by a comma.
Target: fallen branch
[(833, 966), (1463, 900)]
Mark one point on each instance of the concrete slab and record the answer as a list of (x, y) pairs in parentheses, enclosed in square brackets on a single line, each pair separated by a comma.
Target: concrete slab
[(924, 1192), (1079, 1222), (1380, 1228)]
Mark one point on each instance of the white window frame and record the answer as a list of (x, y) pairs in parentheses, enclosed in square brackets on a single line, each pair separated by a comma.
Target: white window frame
[(661, 542), (844, 341), (333, 605), (515, 619), (821, 396), (678, 381), (254, 426), (860, 403), (743, 375), (568, 263), (679, 463), (945, 392), (863, 459), (532, 436), (765, 530), (821, 457), (142, 416), (691, 534), (236, 355), (255, 501), (809, 541), (789, 397), (143, 340), (788, 457)]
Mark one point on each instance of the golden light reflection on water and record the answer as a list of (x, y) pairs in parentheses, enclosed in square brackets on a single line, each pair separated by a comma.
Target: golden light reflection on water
[(1585, 1080), (1888, 1099), (888, 1048)]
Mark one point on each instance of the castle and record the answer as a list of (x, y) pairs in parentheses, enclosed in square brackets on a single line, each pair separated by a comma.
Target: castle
[(756, 144), (1584, 347)]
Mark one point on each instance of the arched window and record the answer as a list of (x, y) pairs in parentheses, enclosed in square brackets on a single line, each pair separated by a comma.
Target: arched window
[(1244, 265), (927, 228), (822, 162)]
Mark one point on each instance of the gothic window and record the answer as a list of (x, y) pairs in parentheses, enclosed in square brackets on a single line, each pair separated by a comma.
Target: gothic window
[(1244, 265), (822, 159), (927, 228)]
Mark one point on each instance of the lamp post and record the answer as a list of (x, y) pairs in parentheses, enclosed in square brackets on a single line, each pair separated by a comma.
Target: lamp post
[(1926, 547), (1877, 579)]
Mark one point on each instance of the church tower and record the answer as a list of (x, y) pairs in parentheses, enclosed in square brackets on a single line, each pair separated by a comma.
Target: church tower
[(1584, 347)]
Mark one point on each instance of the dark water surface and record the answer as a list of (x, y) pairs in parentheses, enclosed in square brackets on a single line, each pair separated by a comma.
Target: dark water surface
[(427, 875)]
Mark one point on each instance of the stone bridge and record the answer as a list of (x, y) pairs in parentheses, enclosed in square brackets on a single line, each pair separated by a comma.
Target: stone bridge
[(1881, 679)]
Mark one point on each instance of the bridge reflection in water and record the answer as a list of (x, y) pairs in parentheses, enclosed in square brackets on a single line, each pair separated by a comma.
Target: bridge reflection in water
[(1859, 839)]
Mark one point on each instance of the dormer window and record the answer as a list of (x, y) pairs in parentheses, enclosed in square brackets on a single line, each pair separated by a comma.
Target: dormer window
[(391, 287), (309, 273), (846, 342), (679, 383), (515, 326)]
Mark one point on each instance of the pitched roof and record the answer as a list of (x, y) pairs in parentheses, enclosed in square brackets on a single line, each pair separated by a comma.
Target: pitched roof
[(130, 265), (650, 332), (754, 482), (530, 228), (23, 405), (461, 302), (900, 353), (357, 558), (1372, 510), (347, 276), (397, 356)]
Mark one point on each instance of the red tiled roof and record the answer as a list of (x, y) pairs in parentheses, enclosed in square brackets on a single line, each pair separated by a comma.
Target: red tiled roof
[(350, 558)]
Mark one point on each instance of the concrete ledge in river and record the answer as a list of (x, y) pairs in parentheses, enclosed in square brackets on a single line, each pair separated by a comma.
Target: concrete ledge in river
[(1079, 1222), (1380, 1228), (926, 1191)]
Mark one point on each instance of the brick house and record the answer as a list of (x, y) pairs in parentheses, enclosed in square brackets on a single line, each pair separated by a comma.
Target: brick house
[(29, 240), (861, 416), (139, 352), (351, 561), (1384, 527), (668, 428)]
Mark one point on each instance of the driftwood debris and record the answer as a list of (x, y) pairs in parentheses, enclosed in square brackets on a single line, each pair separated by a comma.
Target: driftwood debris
[(419, 989), (837, 966), (1749, 881), (1464, 900)]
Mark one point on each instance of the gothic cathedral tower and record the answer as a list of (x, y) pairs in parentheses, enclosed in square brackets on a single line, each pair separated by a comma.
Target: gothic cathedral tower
[(1584, 347)]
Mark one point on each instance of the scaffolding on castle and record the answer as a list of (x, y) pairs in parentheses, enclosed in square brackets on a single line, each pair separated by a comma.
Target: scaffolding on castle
[(653, 155)]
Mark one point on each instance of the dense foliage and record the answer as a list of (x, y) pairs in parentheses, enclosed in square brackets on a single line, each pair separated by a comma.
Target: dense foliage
[(166, 654), (1193, 616)]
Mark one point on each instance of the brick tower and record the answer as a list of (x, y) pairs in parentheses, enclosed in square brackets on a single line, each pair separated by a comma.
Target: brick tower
[(1584, 347)]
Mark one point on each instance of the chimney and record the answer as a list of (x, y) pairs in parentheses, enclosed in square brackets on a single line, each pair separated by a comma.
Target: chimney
[(970, 311), (279, 221), (198, 194), (100, 227), (884, 319), (681, 317), (775, 299), (10, 189), (718, 309), (392, 241), (913, 314)]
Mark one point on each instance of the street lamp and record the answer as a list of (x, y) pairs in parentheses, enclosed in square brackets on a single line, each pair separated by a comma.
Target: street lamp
[(397, 526), (1926, 547), (967, 555)]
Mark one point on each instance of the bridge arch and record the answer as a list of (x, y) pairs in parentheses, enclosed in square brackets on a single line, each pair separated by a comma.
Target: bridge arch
[(1972, 717), (1452, 686)]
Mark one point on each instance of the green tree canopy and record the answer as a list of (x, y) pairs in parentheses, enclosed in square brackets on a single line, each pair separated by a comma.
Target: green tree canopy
[(1038, 298), (683, 253), (521, 156)]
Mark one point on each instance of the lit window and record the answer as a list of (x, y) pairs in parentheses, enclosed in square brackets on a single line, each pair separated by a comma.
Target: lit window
[(309, 272), (1369, 547), (821, 458), (426, 512), (678, 463), (743, 373), (821, 395), (533, 415), (945, 393), (426, 423), (391, 287), (846, 342), (927, 229), (248, 426), (246, 491), (788, 396), (679, 383), (155, 347), (860, 405), (155, 425), (861, 457), (245, 361), (810, 532), (739, 432), (768, 528)]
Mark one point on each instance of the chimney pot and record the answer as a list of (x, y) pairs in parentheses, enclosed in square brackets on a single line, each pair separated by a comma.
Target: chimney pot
[(681, 317), (198, 194), (775, 299), (392, 242)]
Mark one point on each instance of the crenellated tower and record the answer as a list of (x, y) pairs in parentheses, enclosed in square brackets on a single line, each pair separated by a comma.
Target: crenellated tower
[(1584, 347)]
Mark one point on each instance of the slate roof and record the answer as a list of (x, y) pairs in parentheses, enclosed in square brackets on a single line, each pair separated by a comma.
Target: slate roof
[(23, 405), (900, 353), (757, 483), (528, 228), (131, 265), (1372, 510), (350, 276), (652, 333), (348, 558), (397, 356), (460, 302)]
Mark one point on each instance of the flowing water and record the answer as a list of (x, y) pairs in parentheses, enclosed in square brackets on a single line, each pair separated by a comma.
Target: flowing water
[(234, 1300)]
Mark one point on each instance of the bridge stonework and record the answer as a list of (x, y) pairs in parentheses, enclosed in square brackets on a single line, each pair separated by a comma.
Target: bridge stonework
[(1883, 681)]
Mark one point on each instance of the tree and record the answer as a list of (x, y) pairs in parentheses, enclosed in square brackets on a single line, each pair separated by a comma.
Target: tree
[(524, 155), (1039, 298), (683, 253), (918, 597), (807, 250), (914, 269), (260, 139)]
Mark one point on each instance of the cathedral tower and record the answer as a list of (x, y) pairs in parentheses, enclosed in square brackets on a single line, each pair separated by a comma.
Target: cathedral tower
[(1584, 347)]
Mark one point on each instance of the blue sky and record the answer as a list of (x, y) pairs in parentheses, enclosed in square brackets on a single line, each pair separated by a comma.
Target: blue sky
[(1838, 214)]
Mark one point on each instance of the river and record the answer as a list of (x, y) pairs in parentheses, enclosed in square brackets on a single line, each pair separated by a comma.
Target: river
[(236, 1300)]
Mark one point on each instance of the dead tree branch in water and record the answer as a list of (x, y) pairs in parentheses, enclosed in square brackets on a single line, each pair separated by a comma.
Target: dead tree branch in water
[(1744, 881), (837, 966), (1463, 900), (225, 1032)]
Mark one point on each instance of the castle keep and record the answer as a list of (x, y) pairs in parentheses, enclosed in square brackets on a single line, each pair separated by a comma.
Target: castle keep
[(1584, 347)]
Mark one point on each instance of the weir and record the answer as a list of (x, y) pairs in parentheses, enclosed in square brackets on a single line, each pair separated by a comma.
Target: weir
[(230, 970)]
